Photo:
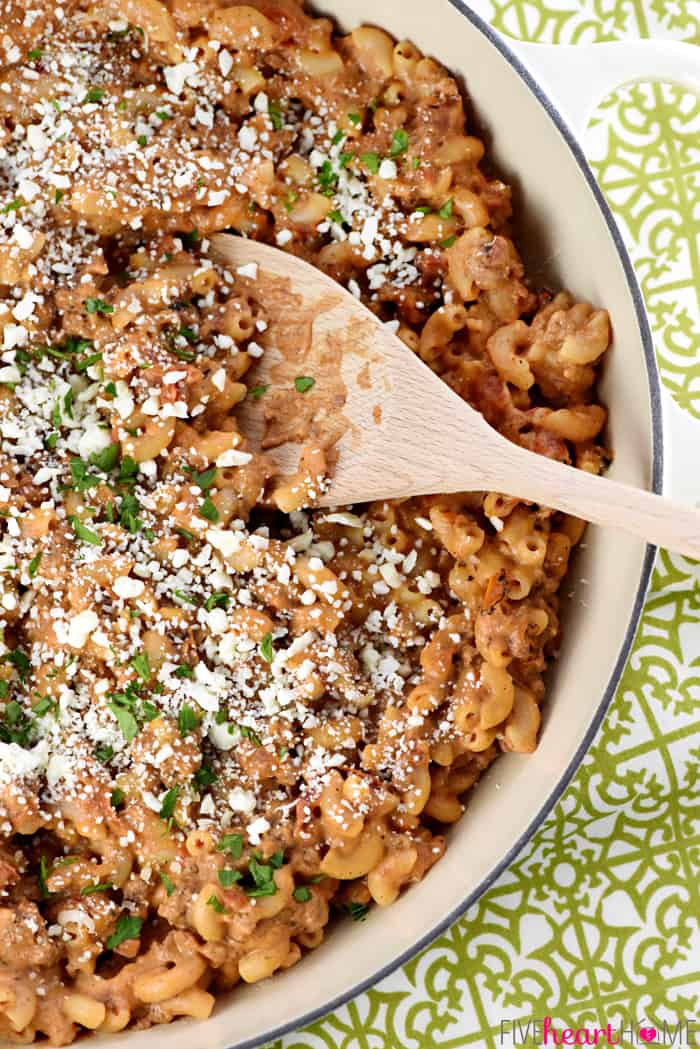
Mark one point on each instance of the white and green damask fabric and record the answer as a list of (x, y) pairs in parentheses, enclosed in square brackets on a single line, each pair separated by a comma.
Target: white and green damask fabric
[(598, 920)]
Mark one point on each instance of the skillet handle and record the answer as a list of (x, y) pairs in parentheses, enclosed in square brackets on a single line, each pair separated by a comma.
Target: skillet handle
[(578, 76)]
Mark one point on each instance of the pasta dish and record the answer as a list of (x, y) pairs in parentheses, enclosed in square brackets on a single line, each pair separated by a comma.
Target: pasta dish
[(225, 716)]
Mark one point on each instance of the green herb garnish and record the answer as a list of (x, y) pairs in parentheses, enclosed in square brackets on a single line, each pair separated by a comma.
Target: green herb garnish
[(128, 927), (167, 807), (98, 306), (399, 143), (208, 510), (44, 706), (100, 886), (204, 777), (169, 887), (274, 111), (227, 878), (266, 648), (303, 383), (218, 600), (357, 911), (141, 665), (82, 532), (233, 844), (187, 720), (107, 459), (371, 161), (126, 721)]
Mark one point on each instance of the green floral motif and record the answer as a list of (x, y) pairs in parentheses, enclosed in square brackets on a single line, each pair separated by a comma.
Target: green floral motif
[(644, 145), (578, 21)]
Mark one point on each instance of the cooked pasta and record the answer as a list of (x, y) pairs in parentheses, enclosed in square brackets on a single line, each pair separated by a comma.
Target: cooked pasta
[(226, 715)]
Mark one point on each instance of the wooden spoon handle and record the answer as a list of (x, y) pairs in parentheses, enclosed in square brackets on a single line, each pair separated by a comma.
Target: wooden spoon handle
[(660, 521)]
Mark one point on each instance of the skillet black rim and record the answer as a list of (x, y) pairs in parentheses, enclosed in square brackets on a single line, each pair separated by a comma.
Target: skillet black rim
[(657, 450)]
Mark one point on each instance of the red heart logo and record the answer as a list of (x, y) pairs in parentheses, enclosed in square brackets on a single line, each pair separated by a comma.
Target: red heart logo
[(647, 1034)]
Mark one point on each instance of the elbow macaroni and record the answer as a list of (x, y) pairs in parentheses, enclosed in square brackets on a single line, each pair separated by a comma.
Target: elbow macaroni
[(234, 713)]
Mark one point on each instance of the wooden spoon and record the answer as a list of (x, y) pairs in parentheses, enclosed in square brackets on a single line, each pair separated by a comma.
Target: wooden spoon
[(410, 434)]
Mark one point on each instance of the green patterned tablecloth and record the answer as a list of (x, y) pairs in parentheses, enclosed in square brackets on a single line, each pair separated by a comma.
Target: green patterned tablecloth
[(598, 920)]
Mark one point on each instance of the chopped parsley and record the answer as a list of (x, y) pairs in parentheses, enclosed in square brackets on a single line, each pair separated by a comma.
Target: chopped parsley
[(95, 94), (186, 598), (129, 514), (215, 903), (263, 876), (327, 179), (204, 777), (203, 480), (45, 705), (43, 877), (233, 844), (399, 143), (81, 478), (208, 510), (15, 726), (100, 886), (274, 111), (303, 383), (250, 734), (372, 161), (227, 878), (445, 211), (98, 306), (107, 459), (266, 649), (128, 927), (184, 670), (167, 806), (128, 470), (34, 564), (301, 894), (82, 532), (187, 720), (117, 797), (256, 392), (357, 911), (141, 665), (125, 719), (167, 882), (218, 600), (20, 661)]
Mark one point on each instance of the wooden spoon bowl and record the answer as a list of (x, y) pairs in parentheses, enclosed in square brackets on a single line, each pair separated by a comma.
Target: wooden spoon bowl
[(407, 433)]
